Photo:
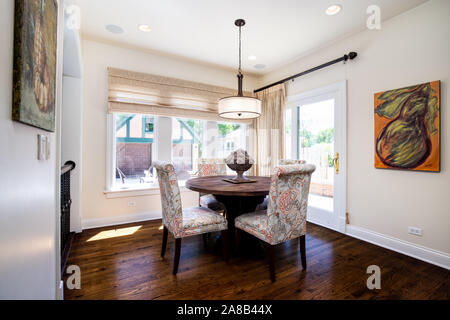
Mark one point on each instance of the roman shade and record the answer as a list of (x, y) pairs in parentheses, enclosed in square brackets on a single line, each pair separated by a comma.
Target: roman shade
[(135, 92)]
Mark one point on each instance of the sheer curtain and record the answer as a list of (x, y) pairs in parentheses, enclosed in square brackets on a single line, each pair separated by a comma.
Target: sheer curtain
[(267, 132)]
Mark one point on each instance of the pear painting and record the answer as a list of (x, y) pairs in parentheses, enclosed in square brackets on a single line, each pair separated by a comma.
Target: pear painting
[(35, 57), (407, 128)]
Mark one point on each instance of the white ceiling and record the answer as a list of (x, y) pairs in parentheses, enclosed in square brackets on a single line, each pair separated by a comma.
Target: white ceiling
[(277, 32)]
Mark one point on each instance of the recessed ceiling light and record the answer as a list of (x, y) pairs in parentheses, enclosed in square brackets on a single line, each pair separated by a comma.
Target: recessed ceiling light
[(114, 28), (334, 9), (259, 66), (251, 57), (145, 28)]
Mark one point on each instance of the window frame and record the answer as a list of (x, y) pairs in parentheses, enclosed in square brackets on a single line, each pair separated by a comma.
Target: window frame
[(111, 190), (338, 92), (203, 139), (159, 151)]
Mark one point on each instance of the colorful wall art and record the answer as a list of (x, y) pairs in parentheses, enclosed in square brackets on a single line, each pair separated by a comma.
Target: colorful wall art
[(407, 128), (35, 63)]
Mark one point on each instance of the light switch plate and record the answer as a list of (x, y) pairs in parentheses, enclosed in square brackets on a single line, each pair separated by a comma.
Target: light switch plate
[(42, 142), (47, 148)]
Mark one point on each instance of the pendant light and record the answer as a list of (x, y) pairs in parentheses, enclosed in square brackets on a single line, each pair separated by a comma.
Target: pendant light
[(240, 106)]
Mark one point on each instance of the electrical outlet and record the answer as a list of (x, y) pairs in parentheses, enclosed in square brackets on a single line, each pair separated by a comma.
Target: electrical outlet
[(415, 231), (132, 203)]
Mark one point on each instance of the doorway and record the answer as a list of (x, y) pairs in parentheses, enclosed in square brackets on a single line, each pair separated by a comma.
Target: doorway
[(316, 132)]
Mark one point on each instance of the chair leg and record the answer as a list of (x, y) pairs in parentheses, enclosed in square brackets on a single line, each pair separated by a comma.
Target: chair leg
[(303, 251), (271, 257), (205, 240), (237, 239), (164, 242), (225, 245), (176, 258)]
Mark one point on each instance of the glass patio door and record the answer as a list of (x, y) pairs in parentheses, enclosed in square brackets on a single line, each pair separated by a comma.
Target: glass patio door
[(315, 132)]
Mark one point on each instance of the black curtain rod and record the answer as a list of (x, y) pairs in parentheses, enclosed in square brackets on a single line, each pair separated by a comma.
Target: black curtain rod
[(352, 55)]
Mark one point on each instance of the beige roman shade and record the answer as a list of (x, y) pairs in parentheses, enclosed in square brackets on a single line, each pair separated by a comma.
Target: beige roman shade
[(134, 92)]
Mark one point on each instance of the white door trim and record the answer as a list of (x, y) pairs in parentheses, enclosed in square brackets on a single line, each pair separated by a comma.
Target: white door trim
[(338, 91)]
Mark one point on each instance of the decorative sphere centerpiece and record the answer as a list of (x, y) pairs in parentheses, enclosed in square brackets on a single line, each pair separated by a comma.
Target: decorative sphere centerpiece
[(239, 161)]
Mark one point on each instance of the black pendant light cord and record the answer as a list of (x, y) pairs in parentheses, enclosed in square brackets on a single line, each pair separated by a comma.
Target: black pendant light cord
[(240, 106), (240, 50), (240, 23)]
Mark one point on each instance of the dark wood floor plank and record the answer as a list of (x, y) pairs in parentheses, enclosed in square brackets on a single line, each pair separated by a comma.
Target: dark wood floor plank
[(130, 267)]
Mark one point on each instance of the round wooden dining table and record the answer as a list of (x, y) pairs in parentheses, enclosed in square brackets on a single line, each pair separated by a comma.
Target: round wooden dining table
[(237, 198)]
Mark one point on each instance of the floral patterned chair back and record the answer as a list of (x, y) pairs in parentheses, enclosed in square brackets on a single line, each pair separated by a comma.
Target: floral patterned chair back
[(212, 167), (288, 201), (282, 162), (172, 212)]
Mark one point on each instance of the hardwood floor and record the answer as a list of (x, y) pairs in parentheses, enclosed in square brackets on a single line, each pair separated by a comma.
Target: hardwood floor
[(130, 267)]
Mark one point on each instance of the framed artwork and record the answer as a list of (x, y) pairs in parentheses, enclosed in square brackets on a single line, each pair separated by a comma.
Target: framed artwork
[(407, 128), (35, 37)]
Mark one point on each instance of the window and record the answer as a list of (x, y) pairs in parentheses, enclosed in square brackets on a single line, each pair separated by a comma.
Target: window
[(139, 139), (310, 136), (230, 137), (288, 134), (316, 143), (187, 143), (134, 137), (149, 124)]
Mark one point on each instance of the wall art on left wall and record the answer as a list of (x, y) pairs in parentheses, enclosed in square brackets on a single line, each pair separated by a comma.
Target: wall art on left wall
[(35, 37)]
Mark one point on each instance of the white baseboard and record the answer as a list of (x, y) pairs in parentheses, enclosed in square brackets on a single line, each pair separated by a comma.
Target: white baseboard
[(118, 220), (321, 223), (438, 258), (60, 291)]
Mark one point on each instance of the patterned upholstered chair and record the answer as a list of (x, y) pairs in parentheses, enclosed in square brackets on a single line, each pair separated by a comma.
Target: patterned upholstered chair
[(282, 162), (211, 167), (184, 222), (286, 162), (285, 218)]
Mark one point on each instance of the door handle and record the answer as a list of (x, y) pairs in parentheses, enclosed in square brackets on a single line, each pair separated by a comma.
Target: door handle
[(336, 163)]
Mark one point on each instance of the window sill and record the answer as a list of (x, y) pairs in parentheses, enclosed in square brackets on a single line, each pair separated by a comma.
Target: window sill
[(137, 192)]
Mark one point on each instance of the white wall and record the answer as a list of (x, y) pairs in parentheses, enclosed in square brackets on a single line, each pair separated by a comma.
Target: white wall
[(72, 117), (28, 206), (409, 49), (96, 208), (71, 142)]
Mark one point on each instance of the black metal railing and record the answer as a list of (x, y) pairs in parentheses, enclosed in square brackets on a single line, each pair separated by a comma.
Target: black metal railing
[(66, 202)]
